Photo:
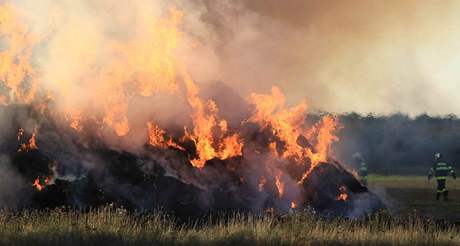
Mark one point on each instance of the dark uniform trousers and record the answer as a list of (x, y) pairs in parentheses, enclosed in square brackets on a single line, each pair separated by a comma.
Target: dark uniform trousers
[(441, 170)]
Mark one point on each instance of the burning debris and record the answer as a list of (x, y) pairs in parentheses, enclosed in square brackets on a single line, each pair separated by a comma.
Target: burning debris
[(265, 158)]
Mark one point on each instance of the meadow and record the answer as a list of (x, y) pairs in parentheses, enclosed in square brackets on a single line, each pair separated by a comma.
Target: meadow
[(406, 195), (404, 224)]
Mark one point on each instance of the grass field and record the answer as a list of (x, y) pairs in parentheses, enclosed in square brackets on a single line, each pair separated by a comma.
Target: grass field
[(110, 226), (415, 194)]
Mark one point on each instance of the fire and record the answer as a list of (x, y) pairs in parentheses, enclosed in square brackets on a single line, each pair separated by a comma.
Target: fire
[(31, 143), (289, 125), (261, 184), (15, 66), (141, 66), (280, 185), (270, 111), (75, 119), (20, 134), (343, 196), (205, 124), (157, 137), (325, 137), (147, 63), (40, 184)]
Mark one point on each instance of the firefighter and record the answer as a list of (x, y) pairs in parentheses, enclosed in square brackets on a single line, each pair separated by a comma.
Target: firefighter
[(441, 170), (362, 171)]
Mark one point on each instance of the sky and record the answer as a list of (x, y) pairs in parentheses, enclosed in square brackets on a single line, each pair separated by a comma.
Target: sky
[(366, 56)]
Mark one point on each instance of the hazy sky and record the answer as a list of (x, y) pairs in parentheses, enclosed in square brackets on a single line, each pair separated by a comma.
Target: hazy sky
[(365, 56), (354, 55)]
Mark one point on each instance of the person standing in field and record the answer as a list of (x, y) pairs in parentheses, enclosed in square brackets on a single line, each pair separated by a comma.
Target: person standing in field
[(441, 170), (362, 171)]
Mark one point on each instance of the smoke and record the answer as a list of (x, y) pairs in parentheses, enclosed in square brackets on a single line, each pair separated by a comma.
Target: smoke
[(13, 188), (364, 56)]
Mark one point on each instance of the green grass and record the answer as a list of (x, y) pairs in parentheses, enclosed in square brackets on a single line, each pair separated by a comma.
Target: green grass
[(117, 227)]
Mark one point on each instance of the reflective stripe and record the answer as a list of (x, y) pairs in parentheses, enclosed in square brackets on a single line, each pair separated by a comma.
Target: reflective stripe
[(443, 168), (442, 190), (441, 177), (441, 164), (363, 169), (452, 171)]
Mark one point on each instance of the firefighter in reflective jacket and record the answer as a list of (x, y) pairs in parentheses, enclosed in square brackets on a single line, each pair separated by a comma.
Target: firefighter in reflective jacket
[(363, 172), (441, 170)]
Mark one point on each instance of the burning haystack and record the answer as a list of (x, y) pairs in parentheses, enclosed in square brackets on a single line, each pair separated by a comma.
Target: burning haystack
[(137, 131)]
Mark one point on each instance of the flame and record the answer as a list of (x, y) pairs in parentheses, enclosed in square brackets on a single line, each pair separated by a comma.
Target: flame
[(148, 61), (31, 143), (75, 118), (279, 185), (270, 111), (289, 125), (20, 134), (205, 123), (40, 185), (16, 73), (157, 137), (143, 65), (343, 196), (325, 137), (261, 184)]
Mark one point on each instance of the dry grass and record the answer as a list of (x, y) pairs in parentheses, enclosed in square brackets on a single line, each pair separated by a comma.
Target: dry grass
[(410, 182), (116, 227), (415, 194)]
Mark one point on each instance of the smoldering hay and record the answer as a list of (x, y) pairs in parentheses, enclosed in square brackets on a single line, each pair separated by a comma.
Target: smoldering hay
[(127, 124)]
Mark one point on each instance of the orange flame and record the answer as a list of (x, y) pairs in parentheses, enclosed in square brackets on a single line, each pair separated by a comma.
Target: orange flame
[(15, 59), (157, 139), (31, 143), (261, 184), (293, 205), (343, 196), (40, 185), (146, 64), (279, 185), (325, 137), (288, 124), (205, 123)]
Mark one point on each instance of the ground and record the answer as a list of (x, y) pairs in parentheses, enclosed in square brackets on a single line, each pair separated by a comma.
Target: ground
[(411, 201), (407, 195)]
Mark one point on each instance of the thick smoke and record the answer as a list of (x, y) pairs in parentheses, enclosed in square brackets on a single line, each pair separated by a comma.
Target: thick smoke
[(91, 58), (399, 144), (363, 56)]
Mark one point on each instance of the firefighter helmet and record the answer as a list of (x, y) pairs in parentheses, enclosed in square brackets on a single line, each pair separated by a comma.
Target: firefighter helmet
[(437, 156)]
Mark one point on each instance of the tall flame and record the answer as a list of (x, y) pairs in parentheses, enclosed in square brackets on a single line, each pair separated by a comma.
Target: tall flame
[(270, 111), (289, 125), (205, 124), (16, 73)]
